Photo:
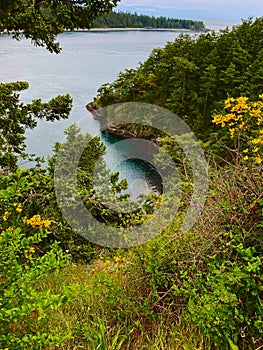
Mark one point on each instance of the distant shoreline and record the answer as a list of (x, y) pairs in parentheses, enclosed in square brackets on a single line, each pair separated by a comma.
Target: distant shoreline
[(126, 30), (138, 29)]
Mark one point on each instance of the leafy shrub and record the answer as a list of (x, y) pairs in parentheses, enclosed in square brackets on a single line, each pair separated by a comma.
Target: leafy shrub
[(23, 306), (244, 121)]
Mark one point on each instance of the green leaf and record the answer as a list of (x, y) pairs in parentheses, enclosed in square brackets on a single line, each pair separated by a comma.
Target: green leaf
[(232, 345)]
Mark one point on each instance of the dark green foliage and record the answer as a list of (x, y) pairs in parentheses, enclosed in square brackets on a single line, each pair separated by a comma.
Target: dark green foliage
[(129, 20), (193, 76), (215, 271), (16, 117), (42, 20), (212, 273)]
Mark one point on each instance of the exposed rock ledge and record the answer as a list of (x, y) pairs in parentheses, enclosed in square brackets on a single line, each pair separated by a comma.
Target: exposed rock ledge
[(126, 131), (98, 114)]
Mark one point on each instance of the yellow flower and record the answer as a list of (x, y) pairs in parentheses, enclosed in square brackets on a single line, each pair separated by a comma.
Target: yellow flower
[(242, 102), (116, 258), (258, 160), (245, 150), (217, 119), (261, 96), (229, 101), (246, 158), (242, 125), (232, 132), (6, 215), (255, 150), (106, 263), (18, 207), (235, 108), (256, 113), (29, 252), (37, 222), (256, 141)]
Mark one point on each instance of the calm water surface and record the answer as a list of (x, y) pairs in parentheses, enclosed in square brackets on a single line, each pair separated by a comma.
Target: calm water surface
[(88, 59)]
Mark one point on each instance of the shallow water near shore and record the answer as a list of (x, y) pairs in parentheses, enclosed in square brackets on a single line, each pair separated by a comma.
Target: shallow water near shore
[(87, 60)]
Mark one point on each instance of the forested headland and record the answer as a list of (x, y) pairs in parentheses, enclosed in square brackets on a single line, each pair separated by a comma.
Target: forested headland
[(199, 288), (193, 76), (133, 20)]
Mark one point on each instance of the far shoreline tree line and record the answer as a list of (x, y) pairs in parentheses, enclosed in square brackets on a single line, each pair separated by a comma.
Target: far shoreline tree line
[(133, 20)]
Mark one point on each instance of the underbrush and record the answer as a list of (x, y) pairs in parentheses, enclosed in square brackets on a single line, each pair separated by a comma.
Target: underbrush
[(214, 274), (111, 308), (201, 289)]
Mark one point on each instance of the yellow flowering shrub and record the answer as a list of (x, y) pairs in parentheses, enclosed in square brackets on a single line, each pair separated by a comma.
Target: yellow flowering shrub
[(18, 207), (37, 222), (6, 215), (29, 252), (244, 121), (24, 308)]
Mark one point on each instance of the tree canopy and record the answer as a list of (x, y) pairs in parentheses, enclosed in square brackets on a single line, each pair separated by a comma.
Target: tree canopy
[(192, 76), (129, 20), (42, 20)]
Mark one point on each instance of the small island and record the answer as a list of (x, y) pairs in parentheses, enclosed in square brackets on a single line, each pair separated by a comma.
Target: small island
[(124, 20)]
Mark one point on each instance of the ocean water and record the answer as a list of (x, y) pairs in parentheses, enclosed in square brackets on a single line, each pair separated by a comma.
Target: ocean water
[(87, 60)]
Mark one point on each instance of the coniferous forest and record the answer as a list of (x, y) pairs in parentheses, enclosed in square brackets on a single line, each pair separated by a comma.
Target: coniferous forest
[(129, 20), (200, 288)]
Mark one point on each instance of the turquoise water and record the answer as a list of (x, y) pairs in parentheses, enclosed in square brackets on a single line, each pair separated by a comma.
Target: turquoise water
[(88, 59)]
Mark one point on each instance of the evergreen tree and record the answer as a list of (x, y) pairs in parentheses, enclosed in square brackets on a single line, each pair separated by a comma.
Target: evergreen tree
[(43, 20)]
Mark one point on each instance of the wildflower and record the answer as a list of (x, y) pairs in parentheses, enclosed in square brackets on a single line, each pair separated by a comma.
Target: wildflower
[(258, 160), (6, 215), (229, 101), (242, 102), (3, 280), (217, 119), (245, 150), (232, 132), (116, 258), (235, 108), (256, 141), (29, 252), (18, 207), (106, 263), (242, 125), (256, 113), (245, 158), (36, 222)]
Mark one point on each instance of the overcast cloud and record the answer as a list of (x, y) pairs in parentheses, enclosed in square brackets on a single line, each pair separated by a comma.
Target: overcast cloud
[(218, 8)]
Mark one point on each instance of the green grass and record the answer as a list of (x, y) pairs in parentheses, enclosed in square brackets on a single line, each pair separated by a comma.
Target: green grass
[(93, 320)]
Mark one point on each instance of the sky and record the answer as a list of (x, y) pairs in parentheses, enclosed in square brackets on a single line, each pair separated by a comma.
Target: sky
[(196, 9)]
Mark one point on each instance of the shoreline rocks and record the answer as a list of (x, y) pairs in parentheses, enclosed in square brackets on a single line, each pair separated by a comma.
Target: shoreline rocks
[(119, 130)]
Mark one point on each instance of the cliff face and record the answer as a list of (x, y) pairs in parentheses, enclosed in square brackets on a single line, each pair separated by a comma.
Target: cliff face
[(125, 131), (98, 114)]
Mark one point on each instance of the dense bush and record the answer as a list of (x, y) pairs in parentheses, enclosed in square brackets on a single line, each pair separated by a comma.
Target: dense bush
[(192, 76), (23, 265), (200, 289)]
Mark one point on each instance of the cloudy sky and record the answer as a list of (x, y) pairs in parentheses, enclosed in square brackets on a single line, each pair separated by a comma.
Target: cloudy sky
[(221, 9)]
